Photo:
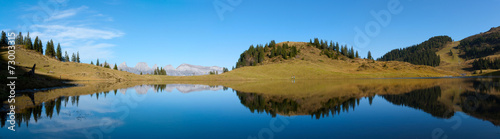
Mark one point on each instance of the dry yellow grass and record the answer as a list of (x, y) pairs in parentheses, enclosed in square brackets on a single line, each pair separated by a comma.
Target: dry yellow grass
[(452, 62), (307, 65)]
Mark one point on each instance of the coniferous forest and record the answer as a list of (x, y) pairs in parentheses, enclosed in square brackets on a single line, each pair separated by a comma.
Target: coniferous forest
[(486, 63), (256, 54), (480, 45), (420, 54)]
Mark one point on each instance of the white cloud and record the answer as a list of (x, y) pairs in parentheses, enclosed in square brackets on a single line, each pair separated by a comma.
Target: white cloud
[(65, 13), (79, 39), (72, 33), (82, 34)]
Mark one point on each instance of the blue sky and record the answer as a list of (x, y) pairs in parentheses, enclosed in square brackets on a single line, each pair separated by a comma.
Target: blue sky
[(192, 31)]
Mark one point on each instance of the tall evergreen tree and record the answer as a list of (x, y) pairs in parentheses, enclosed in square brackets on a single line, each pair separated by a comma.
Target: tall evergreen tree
[(357, 55), (73, 58), (27, 42), (115, 67), (52, 50), (40, 46), (351, 54), (35, 45), (78, 57), (97, 62), (4, 41), (49, 50), (66, 56), (19, 39), (369, 55), (59, 53)]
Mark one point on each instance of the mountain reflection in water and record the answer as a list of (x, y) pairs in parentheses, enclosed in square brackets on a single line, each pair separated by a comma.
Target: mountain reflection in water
[(68, 108)]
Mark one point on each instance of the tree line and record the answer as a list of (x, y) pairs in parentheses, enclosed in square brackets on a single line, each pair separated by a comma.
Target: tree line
[(37, 46), (486, 63), (160, 71), (332, 50), (420, 54), (256, 54), (480, 46)]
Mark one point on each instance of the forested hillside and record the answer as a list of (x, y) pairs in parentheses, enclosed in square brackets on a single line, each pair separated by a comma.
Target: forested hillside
[(283, 51), (480, 45), (420, 54)]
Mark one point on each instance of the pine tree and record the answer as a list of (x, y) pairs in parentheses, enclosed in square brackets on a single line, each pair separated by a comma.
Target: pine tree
[(40, 46), (351, 52), (35, 45), (49, 49), (370, 55), (337, 47), (19, 39), (66, 57), (78, 57), (97, 62), (357, 55), (59, 52), (91, 63), (52, 50), (73, 57), (115, 67), (27, 42), (4, 41)]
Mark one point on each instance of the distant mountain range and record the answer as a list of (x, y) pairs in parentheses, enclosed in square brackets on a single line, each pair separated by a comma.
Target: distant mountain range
[(183, 88), (181, 70)]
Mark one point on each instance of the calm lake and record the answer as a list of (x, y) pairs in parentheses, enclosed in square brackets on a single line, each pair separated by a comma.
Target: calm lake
[(375, 108)]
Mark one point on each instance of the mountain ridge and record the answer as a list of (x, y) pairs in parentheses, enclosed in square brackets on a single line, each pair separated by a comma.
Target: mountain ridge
[(181, 70)]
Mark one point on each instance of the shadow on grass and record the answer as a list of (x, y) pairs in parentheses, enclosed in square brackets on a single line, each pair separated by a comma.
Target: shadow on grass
[(23, 82)]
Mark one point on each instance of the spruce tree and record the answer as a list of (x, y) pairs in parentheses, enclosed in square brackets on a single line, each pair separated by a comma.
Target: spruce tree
[(91, 63), (66, 56), (78, 57), (52, 51), (357, 55), (97, 62), (73, 57), (35, 45), (27, 42), (4, 41), (337, 47), (40, 46), (59, 53), (115, 67), (370, 55), (19, 39), (48, 52)]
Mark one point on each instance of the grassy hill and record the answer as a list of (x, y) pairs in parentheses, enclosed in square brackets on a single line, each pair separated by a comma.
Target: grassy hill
[(483, 45), (309, 63), (420, 54), (453, 62)]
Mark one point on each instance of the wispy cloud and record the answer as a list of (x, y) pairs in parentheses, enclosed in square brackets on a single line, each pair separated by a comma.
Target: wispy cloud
[(66, 13), (81, 34), (80, 39), (75, 33)]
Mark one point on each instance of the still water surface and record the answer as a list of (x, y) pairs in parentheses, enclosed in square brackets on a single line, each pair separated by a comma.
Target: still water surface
[(403, 108)]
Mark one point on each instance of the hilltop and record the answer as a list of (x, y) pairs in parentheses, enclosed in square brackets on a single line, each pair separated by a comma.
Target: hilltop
[(312, 63), (460, 56), (51, 72)]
